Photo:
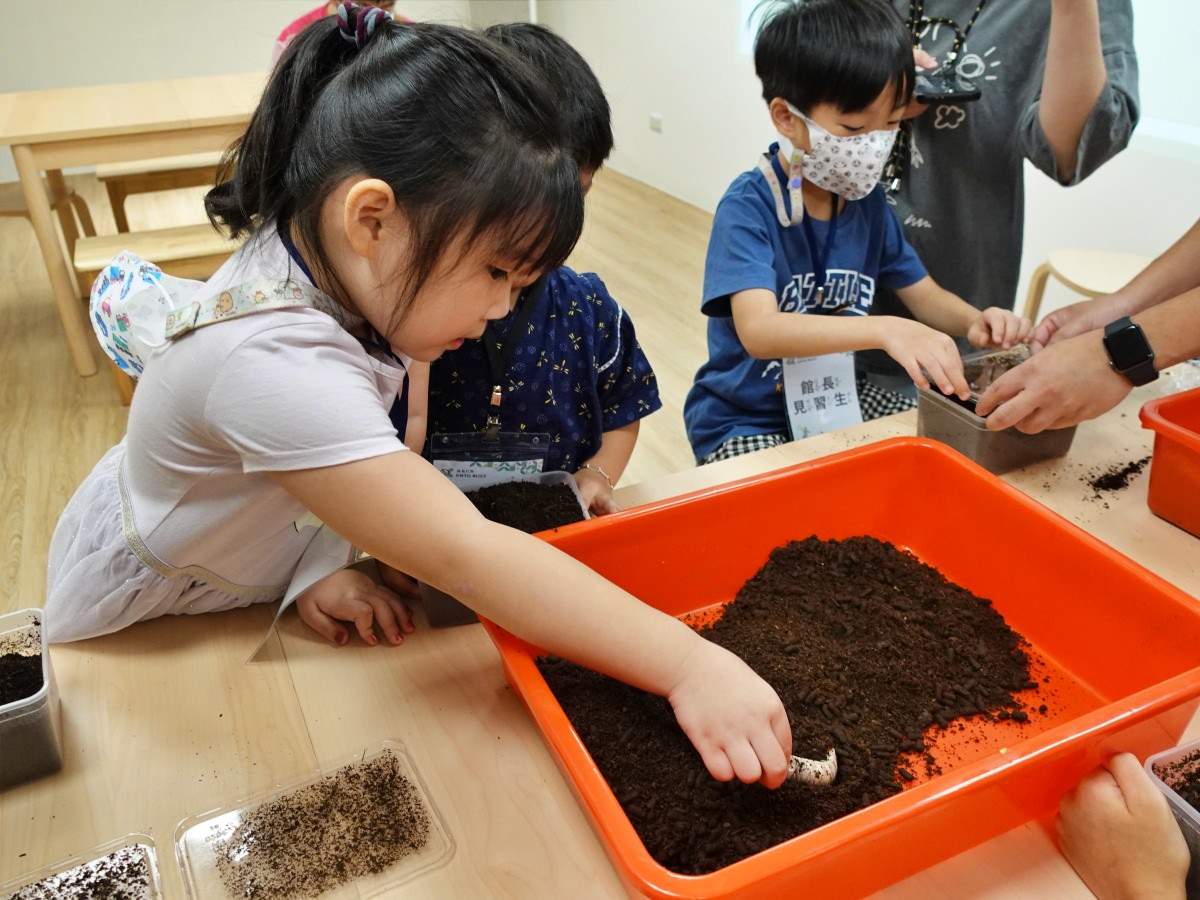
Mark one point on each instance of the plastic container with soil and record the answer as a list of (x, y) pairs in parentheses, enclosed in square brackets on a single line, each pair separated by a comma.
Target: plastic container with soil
[(30, 721), (954, 422), (1116, 675), (444, 611)]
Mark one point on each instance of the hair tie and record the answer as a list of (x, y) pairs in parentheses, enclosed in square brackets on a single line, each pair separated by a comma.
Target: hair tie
[(357, 30)]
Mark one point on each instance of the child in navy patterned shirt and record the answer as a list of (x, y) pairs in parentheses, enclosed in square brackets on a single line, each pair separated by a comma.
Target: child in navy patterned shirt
[(566, 359)]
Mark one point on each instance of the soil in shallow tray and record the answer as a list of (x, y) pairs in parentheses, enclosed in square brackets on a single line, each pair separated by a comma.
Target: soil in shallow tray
[(528, 505), (870, 651)]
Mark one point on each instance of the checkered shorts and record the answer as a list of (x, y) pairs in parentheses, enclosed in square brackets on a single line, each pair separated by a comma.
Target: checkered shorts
[(874, 401)]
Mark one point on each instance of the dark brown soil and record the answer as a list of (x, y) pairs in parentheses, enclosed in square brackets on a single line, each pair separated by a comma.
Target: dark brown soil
[(1183, 777), (871, 652), (1117, 477), (122, 875), (20, 677), (528, 506), (358, 821), (980, 373)]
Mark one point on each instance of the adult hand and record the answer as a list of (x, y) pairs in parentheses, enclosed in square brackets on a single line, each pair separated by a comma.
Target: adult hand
[(1058, 387), (1117, 831), (1078, 318)]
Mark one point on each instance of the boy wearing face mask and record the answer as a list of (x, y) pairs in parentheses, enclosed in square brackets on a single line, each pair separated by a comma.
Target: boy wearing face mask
[(800, 243)]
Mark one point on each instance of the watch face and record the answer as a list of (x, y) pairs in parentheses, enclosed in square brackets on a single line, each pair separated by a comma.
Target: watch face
[(1128, 346)]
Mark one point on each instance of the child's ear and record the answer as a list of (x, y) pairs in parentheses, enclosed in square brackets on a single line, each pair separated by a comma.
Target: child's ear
[(788, 123), (370, 206)]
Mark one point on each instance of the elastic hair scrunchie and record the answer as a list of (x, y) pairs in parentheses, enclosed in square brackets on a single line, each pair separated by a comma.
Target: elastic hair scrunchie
[(358, 30)]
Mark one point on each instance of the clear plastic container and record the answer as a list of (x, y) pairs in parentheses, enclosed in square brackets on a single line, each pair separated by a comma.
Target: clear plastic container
[(1169, 770), (244, 843), (128, 864), (443, 610), (954, 422), (30, 727)]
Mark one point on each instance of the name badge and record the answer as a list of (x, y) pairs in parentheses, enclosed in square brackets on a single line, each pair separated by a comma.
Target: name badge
[(820, 393)]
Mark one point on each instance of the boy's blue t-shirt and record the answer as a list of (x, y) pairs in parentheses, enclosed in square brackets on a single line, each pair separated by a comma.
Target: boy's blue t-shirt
[(733, 393)]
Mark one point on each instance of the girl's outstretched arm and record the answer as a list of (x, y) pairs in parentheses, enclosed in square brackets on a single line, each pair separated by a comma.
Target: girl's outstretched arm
[(402, 511)]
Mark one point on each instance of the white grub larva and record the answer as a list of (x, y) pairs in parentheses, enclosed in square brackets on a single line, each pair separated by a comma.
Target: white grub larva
[(813, 771)]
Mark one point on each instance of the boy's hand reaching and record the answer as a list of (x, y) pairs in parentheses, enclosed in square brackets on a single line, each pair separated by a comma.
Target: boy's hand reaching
[(996, 327), (930, 358), (351, 596), (733, 718)]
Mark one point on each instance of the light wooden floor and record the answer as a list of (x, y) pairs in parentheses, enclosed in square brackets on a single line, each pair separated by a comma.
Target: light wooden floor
[(648, 247)]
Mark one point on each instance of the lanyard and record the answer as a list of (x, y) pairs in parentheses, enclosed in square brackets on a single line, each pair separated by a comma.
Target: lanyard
[(500, 352), (820, 261), (902, 148), (789, 210)]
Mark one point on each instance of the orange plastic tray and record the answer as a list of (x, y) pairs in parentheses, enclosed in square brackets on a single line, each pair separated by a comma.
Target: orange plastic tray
[(1174, 492), (1116, 641)]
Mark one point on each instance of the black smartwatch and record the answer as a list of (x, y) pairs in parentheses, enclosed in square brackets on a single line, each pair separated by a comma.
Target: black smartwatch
[(1129, 352)]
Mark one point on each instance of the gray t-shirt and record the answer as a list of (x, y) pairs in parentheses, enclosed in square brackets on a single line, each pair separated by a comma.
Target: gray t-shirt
[(962, 196)]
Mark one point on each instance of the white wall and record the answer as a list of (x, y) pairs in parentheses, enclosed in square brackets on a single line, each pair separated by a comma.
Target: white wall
[(112, 41), (682, 59)]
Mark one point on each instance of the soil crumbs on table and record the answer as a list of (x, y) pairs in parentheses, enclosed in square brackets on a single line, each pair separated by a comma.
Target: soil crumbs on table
[(358, 821), (122, 875), (20, 664), (1183, 777), (528, 506), (869, 650), (1117, 477)]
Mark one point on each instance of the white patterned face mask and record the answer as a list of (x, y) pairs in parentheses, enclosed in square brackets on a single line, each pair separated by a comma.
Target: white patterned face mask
[(847, 166)]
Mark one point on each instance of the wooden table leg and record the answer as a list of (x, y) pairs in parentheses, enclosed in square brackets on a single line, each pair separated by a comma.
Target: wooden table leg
[(62, 274)]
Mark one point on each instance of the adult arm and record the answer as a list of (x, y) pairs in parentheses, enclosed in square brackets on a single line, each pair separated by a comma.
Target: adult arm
[(1073, 79), (1173, 273), (402, 511), (1071, 380)]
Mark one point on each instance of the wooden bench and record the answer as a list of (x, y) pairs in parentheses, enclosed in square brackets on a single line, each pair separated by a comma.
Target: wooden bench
[(147, 175), (185, 251)]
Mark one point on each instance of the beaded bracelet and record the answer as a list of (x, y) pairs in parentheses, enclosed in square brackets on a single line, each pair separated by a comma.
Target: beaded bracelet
[(603, 474)]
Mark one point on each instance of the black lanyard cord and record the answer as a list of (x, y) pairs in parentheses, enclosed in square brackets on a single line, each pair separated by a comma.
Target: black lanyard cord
[(901, 153), (500, 353)]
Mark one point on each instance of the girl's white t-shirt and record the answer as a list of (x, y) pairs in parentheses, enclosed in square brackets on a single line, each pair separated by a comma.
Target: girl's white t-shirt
[(221, 407)]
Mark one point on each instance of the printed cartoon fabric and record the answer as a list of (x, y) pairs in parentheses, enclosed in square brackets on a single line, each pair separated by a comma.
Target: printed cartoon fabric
[(577, 372)]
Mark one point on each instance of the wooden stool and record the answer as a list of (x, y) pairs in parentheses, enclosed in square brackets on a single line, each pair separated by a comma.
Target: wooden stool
[(64, 201), (147, 175), (1092, 273)]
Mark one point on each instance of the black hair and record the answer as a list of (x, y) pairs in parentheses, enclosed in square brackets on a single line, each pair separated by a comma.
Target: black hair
[(457, 125), (842, 52), (577, 92)]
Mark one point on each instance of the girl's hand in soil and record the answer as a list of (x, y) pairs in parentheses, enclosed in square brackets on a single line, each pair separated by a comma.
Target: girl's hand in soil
[(596, 492), (1116, 829), (734, 719), (996, 327), (352, 596)]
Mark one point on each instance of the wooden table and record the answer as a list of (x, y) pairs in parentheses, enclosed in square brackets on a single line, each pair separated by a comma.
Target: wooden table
[(52, 130), (165, 720)]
